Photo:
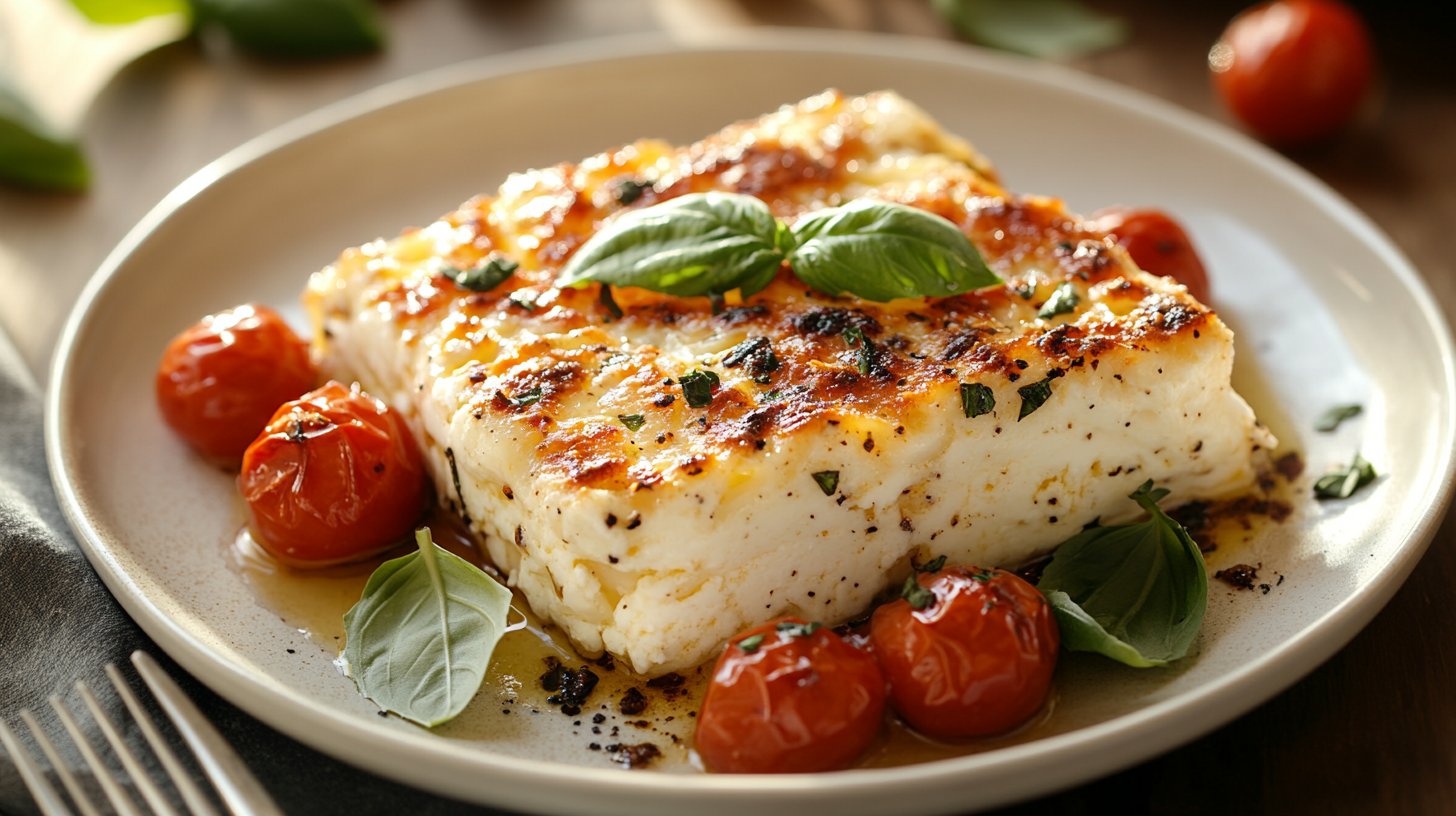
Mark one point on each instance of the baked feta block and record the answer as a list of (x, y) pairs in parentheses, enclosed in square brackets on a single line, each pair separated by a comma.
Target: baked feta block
[(654, 525)]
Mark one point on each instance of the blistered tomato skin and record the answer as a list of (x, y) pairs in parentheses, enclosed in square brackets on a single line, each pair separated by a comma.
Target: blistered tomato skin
[(1294, 70), (1157, 244), (976, 661), (792, 703), (335, 477), (221, 379)]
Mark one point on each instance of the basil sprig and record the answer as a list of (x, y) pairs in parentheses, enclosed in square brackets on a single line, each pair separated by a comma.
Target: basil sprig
[(422, 634), (698, 244), (1135, 593), (707, 244)]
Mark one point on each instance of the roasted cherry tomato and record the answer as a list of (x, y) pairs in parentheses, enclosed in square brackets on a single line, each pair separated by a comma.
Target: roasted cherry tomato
[(968, 652), (221, 379), (1157, 244), (789, 697), (1294, 70), (334, 477)]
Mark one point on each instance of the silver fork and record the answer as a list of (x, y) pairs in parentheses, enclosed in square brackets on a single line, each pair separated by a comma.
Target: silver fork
[(235, 784)]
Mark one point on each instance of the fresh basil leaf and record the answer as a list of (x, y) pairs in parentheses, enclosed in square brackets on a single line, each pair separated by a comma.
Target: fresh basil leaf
[(1048, 29), (977, 399), (1343, 483), (422, 634), (879, 251), (916, 595), (695, 245), (296, 29), (1034, 396), (1332, 417), (1135, 592), (491, 272), (697, 387), (1063, 301), (828, 481), (1080, 633), (634, 422)]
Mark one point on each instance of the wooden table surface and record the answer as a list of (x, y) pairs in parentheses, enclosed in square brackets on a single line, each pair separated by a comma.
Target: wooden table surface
[(1371, 731)]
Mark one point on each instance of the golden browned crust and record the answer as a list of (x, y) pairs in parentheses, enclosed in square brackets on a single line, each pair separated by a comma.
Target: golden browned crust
[(920, 347)]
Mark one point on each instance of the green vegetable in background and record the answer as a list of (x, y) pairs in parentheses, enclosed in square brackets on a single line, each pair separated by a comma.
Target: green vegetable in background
[(1135, 593), (422, 634), (45, 89), (1048, 29), (708, 244), (32, 154), (118, 12), (296, 29)]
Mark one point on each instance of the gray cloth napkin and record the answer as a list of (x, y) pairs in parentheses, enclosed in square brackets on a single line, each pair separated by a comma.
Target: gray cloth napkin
[(60, 624)]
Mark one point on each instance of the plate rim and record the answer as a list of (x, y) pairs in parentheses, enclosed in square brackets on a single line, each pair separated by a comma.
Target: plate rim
[(1126, 740)]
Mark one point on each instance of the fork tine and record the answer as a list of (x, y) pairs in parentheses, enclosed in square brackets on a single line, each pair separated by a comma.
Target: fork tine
[(119, 800), (243, 794), (196, 800), (78, 796), (139, 776), (46, 798)]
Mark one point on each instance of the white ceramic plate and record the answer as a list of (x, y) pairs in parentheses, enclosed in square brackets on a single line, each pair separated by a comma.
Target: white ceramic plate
[(1327, 310)]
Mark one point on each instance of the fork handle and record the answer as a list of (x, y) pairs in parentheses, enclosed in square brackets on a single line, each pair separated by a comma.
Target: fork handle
[(239, 789)]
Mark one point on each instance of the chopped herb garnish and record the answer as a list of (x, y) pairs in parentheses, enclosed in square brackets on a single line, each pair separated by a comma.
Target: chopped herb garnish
[(610, 302), (855, 338), (524, 298), (1027, 291), (525, 398), (1331, 419), (633, 422), (745, 351), (918, 596), (751, 643), (484, 276), (791, 629), (630, 190), (698, 387), (932, 566), (828, 481), (771, 396), (1344, 482), (983, 575), (977, 399), (615, 358), (1034, 395), (1063, 301)]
